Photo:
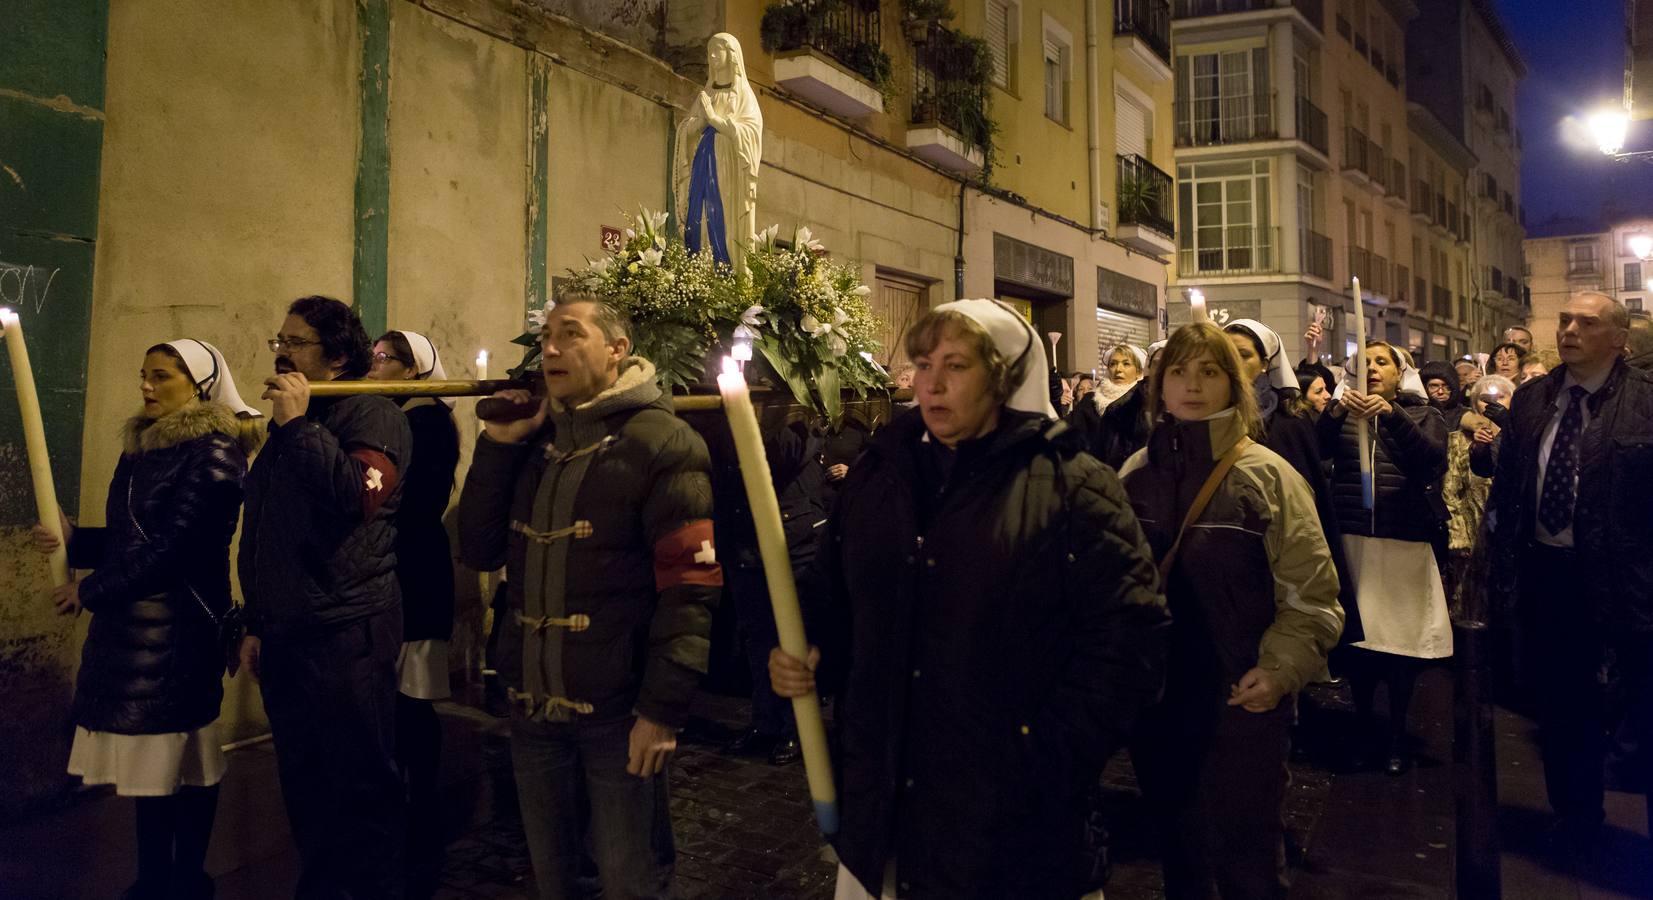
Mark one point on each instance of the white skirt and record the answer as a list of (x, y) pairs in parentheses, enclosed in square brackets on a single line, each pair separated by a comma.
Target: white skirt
[(148, 765), (422, 670), (848, 888), (1398, 590)]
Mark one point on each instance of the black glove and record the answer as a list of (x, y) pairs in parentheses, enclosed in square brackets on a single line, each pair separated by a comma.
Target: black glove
[(1498, 413)]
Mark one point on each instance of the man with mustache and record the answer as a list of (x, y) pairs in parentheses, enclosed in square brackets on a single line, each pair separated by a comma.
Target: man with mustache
[(1574, 543), (318, 573)]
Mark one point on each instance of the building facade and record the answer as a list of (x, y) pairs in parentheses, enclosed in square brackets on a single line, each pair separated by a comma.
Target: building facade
[(1463, 69), (1605, 261)]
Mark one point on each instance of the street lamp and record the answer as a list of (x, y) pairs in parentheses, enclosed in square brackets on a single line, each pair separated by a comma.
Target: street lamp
[(1641, 245), (1609, 128)]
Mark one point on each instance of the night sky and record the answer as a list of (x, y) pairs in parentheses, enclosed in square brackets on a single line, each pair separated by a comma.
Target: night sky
[(1575, 54)]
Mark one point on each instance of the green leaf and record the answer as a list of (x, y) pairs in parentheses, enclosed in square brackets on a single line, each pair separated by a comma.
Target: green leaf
[(789, 373), (832, 395)]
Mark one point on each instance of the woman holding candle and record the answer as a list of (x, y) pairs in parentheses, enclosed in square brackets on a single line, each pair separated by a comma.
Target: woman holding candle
[(1254, 603), (424, 571), (150, 683), (989, 617), (1393, 549)]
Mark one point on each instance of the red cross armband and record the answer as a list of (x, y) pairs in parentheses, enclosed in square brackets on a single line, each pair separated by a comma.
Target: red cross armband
[(687, 556), (379, 478)]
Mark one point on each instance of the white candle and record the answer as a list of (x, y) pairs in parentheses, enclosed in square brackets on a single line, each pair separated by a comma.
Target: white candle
[(1367, 492), (34, 438), (783, 593), (1196, 306), (481, 365)]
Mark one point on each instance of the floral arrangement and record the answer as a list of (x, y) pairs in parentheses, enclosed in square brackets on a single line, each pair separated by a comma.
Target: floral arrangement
[(806, 314)]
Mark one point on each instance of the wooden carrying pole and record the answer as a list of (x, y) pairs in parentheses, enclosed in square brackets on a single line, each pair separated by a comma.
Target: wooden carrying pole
[(34, 438)]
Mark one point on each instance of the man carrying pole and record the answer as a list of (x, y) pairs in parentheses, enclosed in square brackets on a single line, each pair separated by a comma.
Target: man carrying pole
[(318, 573), (599, 507)]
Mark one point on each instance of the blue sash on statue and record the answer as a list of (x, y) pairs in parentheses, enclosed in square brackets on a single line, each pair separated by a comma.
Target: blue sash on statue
[(704, 198)]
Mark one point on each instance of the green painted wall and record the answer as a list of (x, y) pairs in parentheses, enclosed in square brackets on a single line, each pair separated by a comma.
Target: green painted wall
[(51, 143)]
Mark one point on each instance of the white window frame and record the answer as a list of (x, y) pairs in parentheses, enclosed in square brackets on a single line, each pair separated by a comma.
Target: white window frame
[(1058, 43), (1245, 246)]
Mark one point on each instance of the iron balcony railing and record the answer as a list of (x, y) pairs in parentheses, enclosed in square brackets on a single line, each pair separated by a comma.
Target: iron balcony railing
[(1583, 267), (1355, 149), (1397, 178), (1147, 19), (1423, 198), (1147, 196), (1495, 279), (1360, 264), (1311, 125), (1442, 302), (1234, 119), (842, 30), (1380, 275), (1453, 224), (1317, 254), (944, 91), (1233, 250), (1377, 164), (1313, 10), (1403, 285), (1420, 293), (1440, 210)]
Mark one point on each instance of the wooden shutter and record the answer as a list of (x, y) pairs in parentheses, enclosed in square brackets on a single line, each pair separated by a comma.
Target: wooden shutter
[(1130, 126), (897, 303), (998, 39)]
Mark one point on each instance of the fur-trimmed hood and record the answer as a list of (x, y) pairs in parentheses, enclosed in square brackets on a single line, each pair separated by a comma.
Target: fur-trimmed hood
[(143, 434)]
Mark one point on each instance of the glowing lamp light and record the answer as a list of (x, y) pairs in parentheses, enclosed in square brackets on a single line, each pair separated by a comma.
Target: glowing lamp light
[(482, 365), (742, 349), (1641, 245), (1609, 128)]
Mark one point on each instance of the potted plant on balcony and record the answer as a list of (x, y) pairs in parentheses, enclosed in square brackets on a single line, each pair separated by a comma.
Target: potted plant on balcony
[(798, 24), (920, 17), (1138, 198)]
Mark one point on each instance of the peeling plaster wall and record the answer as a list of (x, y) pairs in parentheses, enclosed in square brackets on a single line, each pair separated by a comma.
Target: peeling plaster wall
[(229, 163)]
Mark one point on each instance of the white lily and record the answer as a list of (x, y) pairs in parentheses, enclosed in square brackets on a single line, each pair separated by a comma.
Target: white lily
[(767, 236), (631, 235), (861, 290), (753, 317), (600, 266), (831, 332), (657, 220), (536, 318), (650, 257), (803, 240)]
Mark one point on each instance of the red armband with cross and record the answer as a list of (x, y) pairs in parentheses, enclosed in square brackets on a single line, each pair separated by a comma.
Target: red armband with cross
[(379, 478), (687, 556)]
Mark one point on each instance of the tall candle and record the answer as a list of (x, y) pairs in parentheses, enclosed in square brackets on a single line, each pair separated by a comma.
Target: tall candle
[(481, 365), (1368, 495), (783, 593), (34, 438), (1196, 307)]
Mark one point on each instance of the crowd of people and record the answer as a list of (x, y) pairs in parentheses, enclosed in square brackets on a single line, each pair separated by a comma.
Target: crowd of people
[(1014, 578)]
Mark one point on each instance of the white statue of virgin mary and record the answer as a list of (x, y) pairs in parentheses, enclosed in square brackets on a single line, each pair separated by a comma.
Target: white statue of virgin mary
[(719, 149)]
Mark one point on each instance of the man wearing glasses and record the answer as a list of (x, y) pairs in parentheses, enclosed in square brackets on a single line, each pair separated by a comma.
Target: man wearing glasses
[(324, 613)]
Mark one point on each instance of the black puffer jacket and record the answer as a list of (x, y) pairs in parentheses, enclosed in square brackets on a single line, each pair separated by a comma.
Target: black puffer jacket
[(799, 480), (995, 631), (152, 663), (1113, 434), (424, 561), (617, 494), (1409, 461), (318, 541), (1612, 526)]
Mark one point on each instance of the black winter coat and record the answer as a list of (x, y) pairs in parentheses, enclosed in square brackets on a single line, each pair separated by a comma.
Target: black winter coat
[(152, 662), (1612, 519), (994, 631), (318, 543), (799, 479), (1297, 442), (1409, 461), (424, 560), (1113, 434)]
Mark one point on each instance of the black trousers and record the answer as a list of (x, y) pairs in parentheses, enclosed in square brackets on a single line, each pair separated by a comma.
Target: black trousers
[(755, 622), (1219, 799), (331, 699)]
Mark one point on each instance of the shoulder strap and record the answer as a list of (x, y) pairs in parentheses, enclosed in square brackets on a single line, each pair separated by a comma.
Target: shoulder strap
[(1201, 500)]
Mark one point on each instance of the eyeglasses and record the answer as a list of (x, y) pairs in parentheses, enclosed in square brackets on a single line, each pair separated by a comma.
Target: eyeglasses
[(278, 342), (382, 358)]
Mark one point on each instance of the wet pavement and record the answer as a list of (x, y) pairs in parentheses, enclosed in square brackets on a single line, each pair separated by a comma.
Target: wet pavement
[(744, 829)]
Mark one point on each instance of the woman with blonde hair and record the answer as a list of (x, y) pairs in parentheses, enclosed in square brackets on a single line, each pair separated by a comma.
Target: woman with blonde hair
[(1253, 596), (151, 675)]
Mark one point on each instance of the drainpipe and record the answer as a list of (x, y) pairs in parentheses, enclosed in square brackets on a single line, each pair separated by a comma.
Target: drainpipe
[(958, 252), (1093, 127)]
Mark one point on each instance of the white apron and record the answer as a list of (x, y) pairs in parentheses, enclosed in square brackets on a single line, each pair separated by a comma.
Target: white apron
[(1398, 590), (148, 765)]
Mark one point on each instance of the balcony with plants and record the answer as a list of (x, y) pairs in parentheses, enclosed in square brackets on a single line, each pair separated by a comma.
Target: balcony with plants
[(950, 125), (1313, 11), (830, 53), (1142, 29), (1145, 203)]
